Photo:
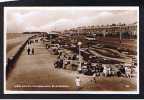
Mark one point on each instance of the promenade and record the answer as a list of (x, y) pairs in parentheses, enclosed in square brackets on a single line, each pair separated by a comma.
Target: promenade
[(37, 73)]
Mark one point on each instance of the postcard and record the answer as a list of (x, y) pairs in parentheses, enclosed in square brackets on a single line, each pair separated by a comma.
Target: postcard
[(71, 50)]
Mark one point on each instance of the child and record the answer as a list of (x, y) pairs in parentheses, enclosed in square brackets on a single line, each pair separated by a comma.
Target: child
[(77, 81)]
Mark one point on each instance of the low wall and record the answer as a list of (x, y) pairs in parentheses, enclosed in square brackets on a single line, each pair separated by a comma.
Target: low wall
[(12, 60)]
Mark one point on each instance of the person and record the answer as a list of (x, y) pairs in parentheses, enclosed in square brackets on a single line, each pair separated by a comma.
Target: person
[(28, 51), (28, 42), (28, 48), (100, 69), (128, 72), (61, 63), (94, 77), (97, 72), (122, 69), (56, 64), (109, 71), (74, 57), (32, 51), (77, 81), (32, 48), (105, 70)]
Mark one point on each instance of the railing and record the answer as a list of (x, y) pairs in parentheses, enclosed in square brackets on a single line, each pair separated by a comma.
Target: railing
[(11, 61)]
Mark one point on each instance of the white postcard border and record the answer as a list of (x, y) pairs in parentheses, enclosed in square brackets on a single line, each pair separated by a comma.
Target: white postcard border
[(73, 92)]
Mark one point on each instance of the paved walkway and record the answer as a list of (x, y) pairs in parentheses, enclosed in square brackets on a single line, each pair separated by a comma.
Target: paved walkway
[(38, 69), (36, 72)]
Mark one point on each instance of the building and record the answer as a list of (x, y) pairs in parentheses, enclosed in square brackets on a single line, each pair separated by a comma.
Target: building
[(114, 30)]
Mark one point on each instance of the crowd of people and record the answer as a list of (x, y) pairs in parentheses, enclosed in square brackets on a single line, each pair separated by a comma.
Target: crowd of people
[(71, 61), (30, 47)]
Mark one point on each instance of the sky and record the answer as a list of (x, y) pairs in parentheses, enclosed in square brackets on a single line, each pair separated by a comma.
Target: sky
[(46, 19)]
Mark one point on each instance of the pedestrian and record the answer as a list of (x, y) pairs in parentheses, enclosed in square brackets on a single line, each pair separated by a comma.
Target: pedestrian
[(61, 63), (32, 51), (77, 81), (28, 42), (28, 51), (97, 71), (109, 71), (104, 70), (94, 77), (27, 46), (128, 72)]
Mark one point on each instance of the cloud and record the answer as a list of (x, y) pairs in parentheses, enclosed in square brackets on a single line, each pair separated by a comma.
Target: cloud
[(20, 20)]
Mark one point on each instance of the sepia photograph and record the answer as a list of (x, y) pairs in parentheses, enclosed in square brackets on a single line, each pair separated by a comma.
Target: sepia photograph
[(71, 50)]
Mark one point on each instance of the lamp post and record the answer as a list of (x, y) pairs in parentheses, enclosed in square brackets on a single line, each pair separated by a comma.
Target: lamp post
[(79, 44), (50, 38), (104, 34), (49, 34), (120, 36)]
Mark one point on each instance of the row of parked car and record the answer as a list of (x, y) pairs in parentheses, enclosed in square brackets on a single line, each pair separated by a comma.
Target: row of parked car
[(90, 63)]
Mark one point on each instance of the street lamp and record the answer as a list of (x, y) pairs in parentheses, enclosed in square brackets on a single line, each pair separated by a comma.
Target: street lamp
[(79, 44), (50, 38), (120, 37)]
